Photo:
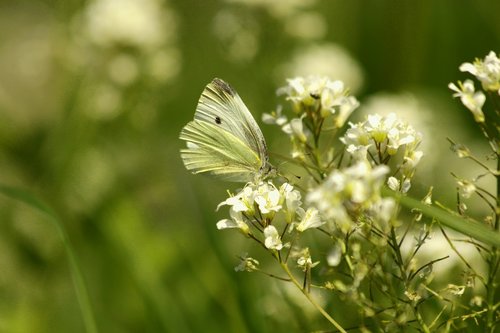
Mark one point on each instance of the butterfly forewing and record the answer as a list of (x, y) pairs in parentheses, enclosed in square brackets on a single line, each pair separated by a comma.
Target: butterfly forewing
[(220, 104), (224, 139)]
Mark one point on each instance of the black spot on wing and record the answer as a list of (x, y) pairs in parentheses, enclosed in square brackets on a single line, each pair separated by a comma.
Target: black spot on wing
[(218, 120), (224, 86)]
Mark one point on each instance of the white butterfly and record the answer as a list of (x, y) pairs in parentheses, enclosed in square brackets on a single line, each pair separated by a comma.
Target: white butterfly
[(223, 139)]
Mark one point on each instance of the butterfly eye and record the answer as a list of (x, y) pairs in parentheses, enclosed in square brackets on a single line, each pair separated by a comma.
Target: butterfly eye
[(218, 120)]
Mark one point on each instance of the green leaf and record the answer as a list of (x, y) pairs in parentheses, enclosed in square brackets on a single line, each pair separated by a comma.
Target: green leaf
[(76, 274), (469, 228)]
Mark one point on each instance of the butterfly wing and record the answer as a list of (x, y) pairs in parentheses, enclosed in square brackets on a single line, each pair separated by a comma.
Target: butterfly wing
[(224, 139), (217, 152), (220, 104)]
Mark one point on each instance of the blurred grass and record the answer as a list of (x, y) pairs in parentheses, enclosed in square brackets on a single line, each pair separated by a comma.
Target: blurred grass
[(102, 150)]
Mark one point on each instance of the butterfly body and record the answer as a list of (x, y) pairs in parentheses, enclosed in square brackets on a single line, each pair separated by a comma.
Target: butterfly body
[(224, 139)]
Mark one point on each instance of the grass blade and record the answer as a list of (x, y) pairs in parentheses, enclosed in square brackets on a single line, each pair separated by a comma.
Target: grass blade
[(469, 228), (76, 274)]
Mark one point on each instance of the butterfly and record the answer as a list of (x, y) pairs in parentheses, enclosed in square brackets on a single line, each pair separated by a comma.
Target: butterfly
[(224, 139)]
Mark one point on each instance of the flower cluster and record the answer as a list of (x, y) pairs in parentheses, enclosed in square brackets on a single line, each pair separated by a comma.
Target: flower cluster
[(320, 96), (381, 138), (487, 71), (346, 196), (260, 208), (367, 246), (318, 104)]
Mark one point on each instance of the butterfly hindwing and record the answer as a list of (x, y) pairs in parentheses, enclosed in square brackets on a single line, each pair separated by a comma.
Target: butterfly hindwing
[(218, 152)]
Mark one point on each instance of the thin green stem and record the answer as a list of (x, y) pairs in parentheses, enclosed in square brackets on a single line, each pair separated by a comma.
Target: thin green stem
[(491, 284), (311, 299)]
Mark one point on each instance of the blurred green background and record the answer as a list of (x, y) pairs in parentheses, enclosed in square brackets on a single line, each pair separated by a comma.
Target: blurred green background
[(93, 95)]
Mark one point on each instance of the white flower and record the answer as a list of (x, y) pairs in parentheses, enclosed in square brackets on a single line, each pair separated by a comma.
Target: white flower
[(413, 109), (410, 162), (487, 71), (382, 137), (268, 198), (295, 128), (291, 201), (320, 94), (406, 186), (356, 136), (383, 210), (272, 238), (309, 219), (236, 222), (471, 99), (274, 118), (466, 188), (393, 183), (350, 104), (241, 202), (334, 256)]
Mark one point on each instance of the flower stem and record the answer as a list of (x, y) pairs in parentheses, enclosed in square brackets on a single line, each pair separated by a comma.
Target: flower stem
[(311, 299), (493, 263)]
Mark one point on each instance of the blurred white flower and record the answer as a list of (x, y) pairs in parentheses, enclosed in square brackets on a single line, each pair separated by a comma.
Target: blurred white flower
[(334, 256), (306, 25), (437, 245), (487, 71), (92, 176), (275, 117), (328, 60), (104, 102), (393, 183), (239, 35), (137, 23), (277, 8), (164, 64), (304, 260), (410, 162), (466, 188), (471, 99), (309, 219), (349, 192), (123, 69), (272, 239), (127, 39)]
